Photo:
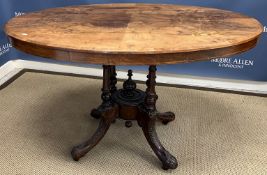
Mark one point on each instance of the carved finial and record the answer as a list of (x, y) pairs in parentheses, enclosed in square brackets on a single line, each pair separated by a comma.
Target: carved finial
[(130, 74), (129, 85)]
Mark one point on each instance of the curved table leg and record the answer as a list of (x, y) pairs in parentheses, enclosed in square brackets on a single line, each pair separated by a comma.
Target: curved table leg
[(165, 117), (107, 117), (148, 127), (80, 150)]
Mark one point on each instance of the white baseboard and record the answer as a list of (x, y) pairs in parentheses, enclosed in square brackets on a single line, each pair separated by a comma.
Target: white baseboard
[(7, 71), (11, 68)]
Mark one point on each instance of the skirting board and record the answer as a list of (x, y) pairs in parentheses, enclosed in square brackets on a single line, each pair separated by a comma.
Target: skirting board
[(13, 67), (7, 71)]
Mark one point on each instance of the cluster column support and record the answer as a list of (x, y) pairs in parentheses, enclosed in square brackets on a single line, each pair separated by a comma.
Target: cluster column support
[(129, 104)]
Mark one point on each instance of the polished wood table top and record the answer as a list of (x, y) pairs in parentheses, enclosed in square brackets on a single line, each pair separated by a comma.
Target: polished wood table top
[(133, 34)]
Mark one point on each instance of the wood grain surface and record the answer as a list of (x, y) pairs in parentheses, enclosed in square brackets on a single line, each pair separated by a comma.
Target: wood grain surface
[(133, 34)]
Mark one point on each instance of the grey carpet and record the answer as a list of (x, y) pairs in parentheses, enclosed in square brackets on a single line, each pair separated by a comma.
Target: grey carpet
[(43, 116)]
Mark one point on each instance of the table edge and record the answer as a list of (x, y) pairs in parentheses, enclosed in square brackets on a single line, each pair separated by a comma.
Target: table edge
[(130, 58)]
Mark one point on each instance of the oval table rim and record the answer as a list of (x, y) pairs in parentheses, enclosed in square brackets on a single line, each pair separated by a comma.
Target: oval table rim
[(110, 59), (19, 46), (137, 52)]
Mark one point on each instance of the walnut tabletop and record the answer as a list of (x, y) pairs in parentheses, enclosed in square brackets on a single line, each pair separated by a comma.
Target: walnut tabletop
[(133, 34)]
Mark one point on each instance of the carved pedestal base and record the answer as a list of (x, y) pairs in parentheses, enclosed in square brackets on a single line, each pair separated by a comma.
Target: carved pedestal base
[(129, 104)]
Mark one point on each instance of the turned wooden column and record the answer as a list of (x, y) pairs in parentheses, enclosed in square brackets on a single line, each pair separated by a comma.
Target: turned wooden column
[(113, 79), (106, 94), (151, 96)]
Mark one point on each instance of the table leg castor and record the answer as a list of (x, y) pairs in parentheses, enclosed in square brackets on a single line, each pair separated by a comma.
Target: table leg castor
[(128, 124)]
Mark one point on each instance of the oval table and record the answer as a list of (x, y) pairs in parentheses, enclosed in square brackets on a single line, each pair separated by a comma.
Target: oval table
[(132, 34)]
